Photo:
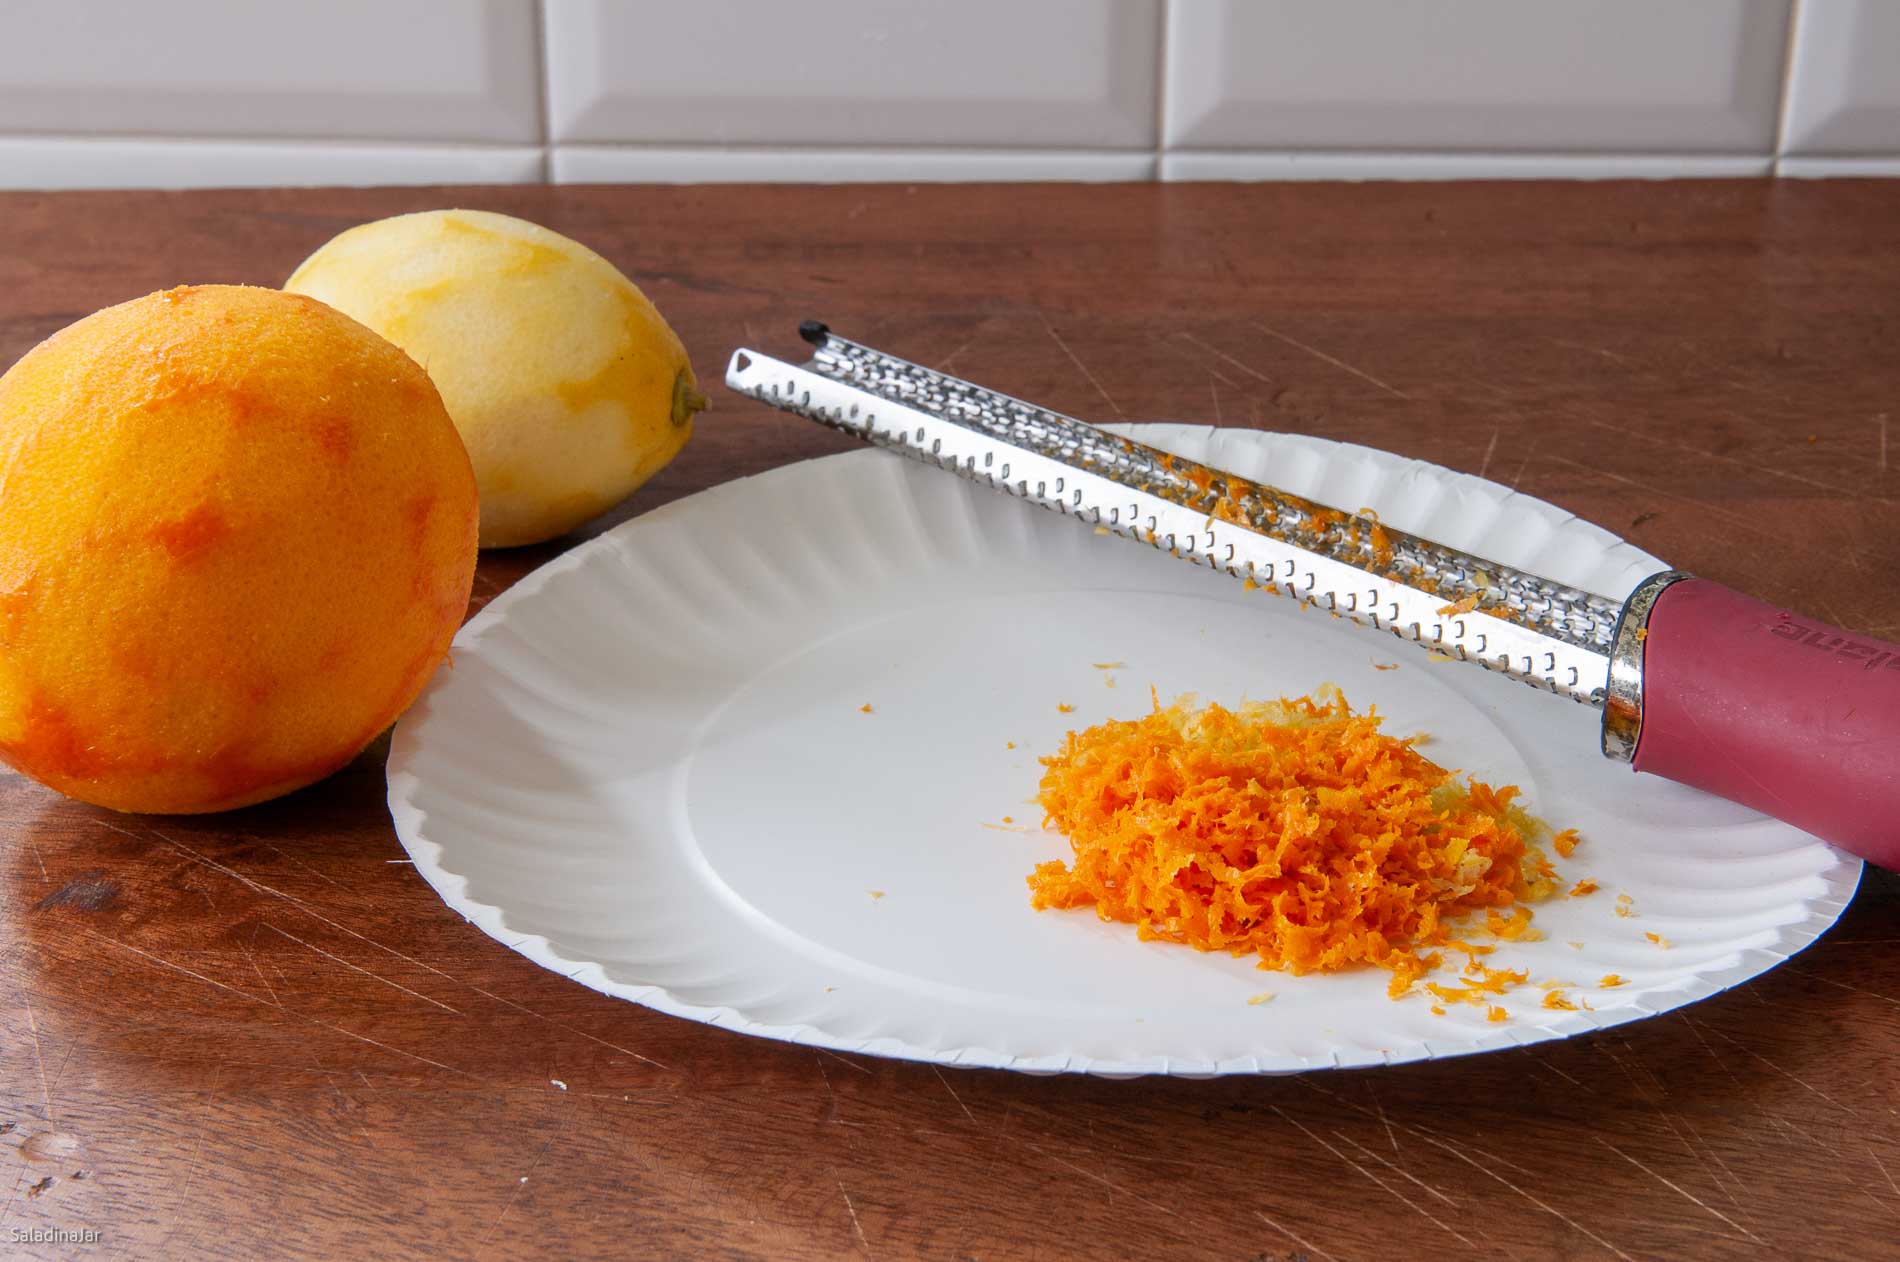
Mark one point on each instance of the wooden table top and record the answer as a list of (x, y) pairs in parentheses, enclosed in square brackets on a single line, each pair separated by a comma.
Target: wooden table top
[(260, 1034)]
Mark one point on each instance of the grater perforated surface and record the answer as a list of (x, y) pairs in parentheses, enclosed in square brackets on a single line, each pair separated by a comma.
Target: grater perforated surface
[(1522, 625)]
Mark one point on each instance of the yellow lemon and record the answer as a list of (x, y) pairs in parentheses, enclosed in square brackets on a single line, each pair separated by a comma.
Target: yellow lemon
[(568, 387), (237, 532)]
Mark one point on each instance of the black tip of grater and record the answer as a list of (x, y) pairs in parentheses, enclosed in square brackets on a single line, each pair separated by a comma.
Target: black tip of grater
[(814, 331)]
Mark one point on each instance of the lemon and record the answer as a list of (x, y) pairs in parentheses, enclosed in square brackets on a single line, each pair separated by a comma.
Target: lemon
[(237, 533), (568, 387)]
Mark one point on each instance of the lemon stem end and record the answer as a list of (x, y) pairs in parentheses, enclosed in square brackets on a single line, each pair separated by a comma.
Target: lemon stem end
[(686, 397)]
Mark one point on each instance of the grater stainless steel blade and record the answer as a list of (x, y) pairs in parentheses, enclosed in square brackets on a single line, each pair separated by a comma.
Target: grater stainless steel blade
[(1347, 563)]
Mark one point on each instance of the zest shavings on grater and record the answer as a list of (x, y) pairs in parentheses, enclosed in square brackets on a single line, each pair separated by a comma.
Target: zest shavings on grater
[(1350, 565)]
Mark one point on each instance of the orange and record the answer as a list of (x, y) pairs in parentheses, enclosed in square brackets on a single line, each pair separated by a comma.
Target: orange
[(237, 532)]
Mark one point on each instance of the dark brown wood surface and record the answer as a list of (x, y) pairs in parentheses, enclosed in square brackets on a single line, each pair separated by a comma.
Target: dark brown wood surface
[(260, 1034)]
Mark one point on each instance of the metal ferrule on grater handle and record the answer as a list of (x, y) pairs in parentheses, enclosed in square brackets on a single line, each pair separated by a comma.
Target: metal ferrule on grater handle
[(1580, 645)]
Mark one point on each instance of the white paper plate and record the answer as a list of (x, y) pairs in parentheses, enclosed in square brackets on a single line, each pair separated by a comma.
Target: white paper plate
[(649, 771)]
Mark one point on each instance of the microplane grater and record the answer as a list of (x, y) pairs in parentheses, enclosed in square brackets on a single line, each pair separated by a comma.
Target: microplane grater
[(1697, 682), (1347, 563)]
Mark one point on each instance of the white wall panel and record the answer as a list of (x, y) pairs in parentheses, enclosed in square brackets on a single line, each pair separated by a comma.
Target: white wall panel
[(1615, 76), (1043, 74), (1844, 79), (347, 69)]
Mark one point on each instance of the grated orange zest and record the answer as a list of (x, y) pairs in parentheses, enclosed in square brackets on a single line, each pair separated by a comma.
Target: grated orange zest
[(1472, 951), (1491, 981), (1294, 831), (1512, 928)]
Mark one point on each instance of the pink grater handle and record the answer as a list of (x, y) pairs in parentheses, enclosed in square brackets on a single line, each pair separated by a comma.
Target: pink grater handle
[(1777, 711)]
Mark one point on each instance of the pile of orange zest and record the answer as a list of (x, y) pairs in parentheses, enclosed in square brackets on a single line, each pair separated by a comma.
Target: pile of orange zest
[(1555, 999), (1495, 1014), (1565, 843), (1294, 831), (1585, 886), (1463, 606), (1658, 939), (1611, 981), (1063, 707)]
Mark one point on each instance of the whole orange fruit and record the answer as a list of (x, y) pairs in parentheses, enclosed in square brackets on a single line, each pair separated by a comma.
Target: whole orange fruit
[(237, 532)]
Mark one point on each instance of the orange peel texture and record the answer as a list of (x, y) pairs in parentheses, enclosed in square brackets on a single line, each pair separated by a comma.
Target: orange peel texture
[(237, 532)]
